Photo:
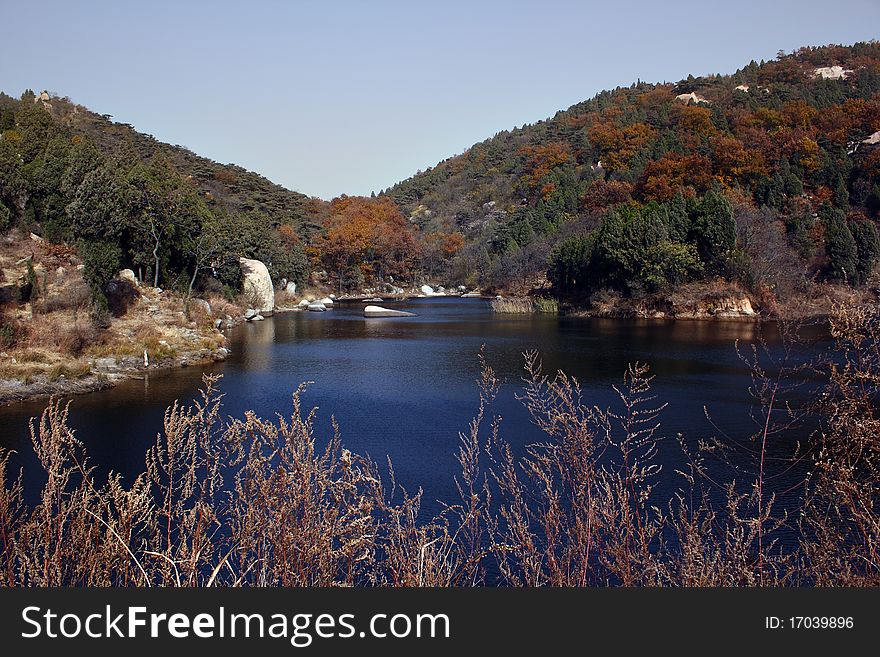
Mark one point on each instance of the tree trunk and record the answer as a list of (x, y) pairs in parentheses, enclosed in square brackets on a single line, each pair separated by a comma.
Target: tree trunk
[(156, 263), (189, 290)]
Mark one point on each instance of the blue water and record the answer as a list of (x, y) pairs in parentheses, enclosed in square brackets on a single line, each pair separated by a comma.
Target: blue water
[(403, 388)]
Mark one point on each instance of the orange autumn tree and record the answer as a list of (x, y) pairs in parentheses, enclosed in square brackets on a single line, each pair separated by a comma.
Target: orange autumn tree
[(675, 173), (366, 241), (438, 248), (618, 146), (542, 159)]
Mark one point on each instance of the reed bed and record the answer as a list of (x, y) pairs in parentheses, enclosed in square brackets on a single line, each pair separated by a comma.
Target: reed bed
[(513, 306)]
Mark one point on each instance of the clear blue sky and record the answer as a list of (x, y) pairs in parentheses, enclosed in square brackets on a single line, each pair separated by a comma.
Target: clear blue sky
[(349, 97)]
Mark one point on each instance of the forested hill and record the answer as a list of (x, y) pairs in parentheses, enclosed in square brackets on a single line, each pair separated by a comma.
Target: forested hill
[(126, 200), (792, 139), (237, 188)]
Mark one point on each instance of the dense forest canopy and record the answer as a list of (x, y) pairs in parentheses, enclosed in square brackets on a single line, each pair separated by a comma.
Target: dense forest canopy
[(769, 178)]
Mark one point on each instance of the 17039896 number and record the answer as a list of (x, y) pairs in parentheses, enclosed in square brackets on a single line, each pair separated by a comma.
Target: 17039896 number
[(821, 622)]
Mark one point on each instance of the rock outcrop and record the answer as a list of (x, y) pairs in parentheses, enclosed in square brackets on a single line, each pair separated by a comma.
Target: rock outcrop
[(831, 73), (258, 286), (379, 311), (692, 97)]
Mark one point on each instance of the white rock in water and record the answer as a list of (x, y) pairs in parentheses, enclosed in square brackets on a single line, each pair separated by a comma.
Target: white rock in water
[(379, 311), (290, 288), (470, 295), (257, 318), (258, 285), (250, 313), (327, 301), (317, 307), (427, 290)]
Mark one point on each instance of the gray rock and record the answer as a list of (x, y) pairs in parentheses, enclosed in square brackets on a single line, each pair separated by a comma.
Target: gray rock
[(202, 305), (290, 288), (250, 313), (317, 307), (257, 318), (106, 364), (128, 275), (379, 311)]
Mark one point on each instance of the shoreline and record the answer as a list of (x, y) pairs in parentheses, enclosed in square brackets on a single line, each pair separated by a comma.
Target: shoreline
[(13, 391)]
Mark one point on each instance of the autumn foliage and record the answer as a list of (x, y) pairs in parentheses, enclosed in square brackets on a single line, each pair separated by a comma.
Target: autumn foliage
[(367, 241)]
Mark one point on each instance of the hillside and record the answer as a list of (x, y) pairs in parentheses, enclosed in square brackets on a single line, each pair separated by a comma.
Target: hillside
[(763, 185), (608, 193), (237, 188)]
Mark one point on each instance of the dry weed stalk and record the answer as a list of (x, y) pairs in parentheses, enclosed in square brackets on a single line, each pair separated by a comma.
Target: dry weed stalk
[(258, 502)]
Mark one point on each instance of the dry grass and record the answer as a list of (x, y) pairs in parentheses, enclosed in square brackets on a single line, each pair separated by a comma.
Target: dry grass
[(256, 502), (513, 306), (223, 307)]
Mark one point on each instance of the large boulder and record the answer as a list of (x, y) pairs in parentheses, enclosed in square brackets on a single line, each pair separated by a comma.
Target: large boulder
[(128, 276), (290, 288), (427, 290), (317, 307), (379, 311), (258, 286)]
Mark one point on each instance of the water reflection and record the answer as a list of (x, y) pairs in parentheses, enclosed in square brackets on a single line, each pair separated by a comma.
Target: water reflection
[(404, 387)]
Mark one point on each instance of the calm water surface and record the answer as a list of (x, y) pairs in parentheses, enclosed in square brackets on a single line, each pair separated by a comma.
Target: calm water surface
[(404, 388)]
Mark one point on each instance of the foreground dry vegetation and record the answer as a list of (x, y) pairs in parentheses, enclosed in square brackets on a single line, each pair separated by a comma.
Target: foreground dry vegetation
[(252, 501)]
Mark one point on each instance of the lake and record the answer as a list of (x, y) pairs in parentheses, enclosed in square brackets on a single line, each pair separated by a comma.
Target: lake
[(403, 388)]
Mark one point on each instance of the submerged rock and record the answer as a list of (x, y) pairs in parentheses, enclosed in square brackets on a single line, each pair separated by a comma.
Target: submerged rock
[(379, 311)]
